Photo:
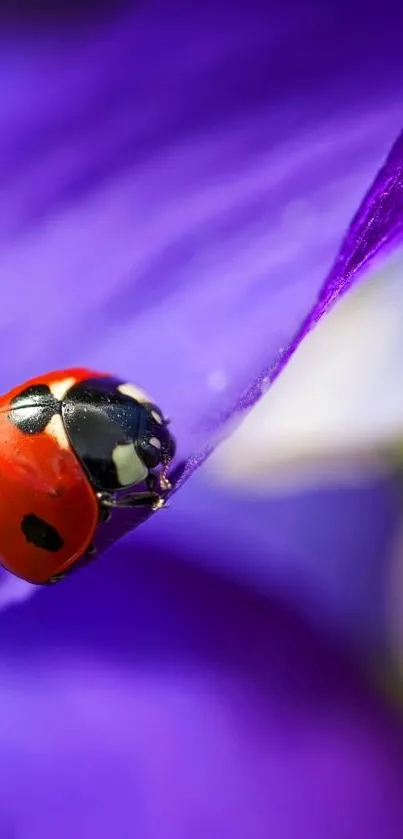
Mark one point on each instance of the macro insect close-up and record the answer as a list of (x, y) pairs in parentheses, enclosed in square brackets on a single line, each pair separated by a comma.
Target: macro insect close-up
[(72, 442), (201, 535)]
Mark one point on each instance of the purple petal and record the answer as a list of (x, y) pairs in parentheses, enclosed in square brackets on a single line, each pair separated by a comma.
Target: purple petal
[(154, 222), (323, 551), (172, 196), (159, 702), (153, 700), (376, 227)]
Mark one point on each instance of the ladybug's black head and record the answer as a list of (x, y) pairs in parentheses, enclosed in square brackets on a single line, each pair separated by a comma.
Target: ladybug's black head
[(155, 444), (117, 433)]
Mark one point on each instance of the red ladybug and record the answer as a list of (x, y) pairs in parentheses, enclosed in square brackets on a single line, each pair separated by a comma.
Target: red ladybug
[(71, 442)]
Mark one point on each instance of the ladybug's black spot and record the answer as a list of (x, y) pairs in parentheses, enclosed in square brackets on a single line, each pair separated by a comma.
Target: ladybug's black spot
[(38, 532), (33, 408)]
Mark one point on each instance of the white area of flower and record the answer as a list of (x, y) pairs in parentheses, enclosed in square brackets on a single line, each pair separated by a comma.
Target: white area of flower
[(337, 408)]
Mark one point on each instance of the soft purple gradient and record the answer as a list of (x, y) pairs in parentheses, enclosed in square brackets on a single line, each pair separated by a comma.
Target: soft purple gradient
[(324, 551), (175, 184), (157, 702)]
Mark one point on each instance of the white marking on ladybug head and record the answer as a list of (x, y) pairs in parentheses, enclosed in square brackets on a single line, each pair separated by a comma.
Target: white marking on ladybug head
[(157, 417), (153, 441), (60, 388), (130, 469), (134, 392), (29, 414), (55, 429)]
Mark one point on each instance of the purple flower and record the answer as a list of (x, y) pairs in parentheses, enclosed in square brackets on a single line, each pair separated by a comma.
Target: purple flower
[(175, 183)]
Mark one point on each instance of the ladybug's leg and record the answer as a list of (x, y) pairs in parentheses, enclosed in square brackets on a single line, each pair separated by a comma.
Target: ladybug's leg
[(135, 499), (53, 580), (89, 556), (159, 482), (152, 482)]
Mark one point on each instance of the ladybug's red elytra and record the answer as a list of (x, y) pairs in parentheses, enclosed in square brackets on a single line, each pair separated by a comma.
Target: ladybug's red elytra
[(71, 443)]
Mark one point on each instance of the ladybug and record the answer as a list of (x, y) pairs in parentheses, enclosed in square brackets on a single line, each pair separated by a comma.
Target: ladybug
[(72, 443)]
